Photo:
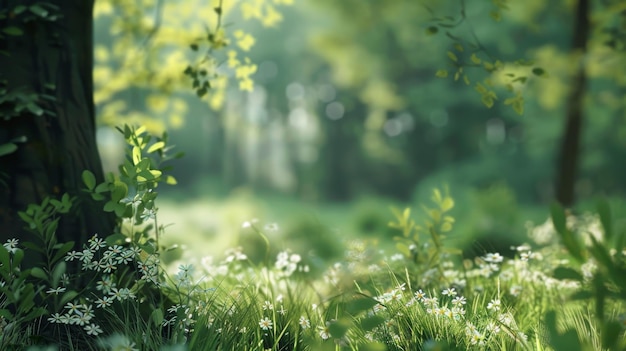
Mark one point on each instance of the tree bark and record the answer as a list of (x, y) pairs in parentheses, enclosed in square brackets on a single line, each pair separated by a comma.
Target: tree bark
[(52, 57), (570, 145)]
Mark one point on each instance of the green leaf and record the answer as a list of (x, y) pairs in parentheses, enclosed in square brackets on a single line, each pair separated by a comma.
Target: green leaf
[(538, 71), (120, 210), (97, 197), (102, 187), (62, 249), (109, 206), (115, 239), (360, 304), (19, 9), (18, 255), (39, 273), (561, 342), (157, 317), (600, 253), (38, 10), (4, 256), (14, 31), (7, 148), (89, 179), (194, 47), (34, 109), (611, 335), (201, 92), (581, 295), (339, 328), (369, 323), (120, 190), (58, 271), (69, 295)]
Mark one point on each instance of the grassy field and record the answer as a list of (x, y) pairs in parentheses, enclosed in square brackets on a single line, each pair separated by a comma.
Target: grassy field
[(358, 295)]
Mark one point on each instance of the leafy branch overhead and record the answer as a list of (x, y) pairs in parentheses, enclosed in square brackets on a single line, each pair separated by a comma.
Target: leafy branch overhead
[(469, 54), (166, 52)]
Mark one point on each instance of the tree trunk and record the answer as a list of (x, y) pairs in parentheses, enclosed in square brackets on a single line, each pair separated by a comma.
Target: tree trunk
[(53, 57), (570, 146)]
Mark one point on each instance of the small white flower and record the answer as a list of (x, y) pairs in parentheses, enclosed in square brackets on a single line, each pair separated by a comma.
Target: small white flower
[(324, 331), (459, 301), (304, 323), (11, 245), (449, 292), (271, 227), (72, 255), (93, 329), (494, 305), (55, 318), (493, 258), (104, 302), (265, 323), (267, 306), (73, 308), (515, 290), (56, 291), (420, 295)]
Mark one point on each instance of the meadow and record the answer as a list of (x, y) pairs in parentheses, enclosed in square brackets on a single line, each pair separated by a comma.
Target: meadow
[(562, 289)]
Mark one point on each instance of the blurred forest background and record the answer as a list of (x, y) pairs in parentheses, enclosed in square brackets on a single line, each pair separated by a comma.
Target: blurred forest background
[(359, 105)]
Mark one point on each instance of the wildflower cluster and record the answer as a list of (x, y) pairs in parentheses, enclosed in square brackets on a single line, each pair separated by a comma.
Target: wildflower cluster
[(287, 263), (105, 260)]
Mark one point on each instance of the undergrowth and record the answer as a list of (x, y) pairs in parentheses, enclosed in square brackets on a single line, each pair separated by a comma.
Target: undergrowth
[(564, 289)]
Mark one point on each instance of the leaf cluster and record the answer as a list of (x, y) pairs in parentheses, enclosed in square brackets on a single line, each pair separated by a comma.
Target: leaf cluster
[(606, 284)]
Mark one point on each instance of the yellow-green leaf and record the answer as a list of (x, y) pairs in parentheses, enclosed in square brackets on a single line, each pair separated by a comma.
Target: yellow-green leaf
[(89, 179), (487, 100), (452, 56), (442, 73), (136, 155), (447, 204), (170, 180), (475, 59), (156, 146), (140, 130)]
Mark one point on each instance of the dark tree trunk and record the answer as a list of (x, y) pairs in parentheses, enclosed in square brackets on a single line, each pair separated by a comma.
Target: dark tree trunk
[(570, 145), (52, 57)]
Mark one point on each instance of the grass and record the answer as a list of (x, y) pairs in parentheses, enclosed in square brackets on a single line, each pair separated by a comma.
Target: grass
[(369, 300), (563, 289)]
